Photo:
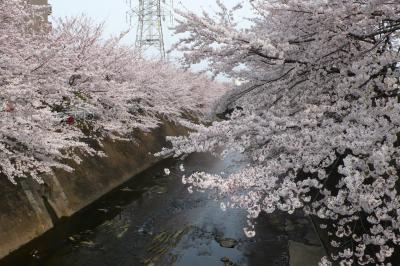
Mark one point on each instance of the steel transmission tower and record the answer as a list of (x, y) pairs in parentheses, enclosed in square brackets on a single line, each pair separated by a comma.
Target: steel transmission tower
[(150, 17)]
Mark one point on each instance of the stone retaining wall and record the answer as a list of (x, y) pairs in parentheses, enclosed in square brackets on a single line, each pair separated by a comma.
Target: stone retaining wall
[(28, 210)]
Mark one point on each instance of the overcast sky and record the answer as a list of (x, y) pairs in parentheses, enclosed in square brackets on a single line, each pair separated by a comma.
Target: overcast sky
[(113, 12)]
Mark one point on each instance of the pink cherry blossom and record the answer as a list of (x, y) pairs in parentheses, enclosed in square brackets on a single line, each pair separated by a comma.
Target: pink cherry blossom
[(317, 115)]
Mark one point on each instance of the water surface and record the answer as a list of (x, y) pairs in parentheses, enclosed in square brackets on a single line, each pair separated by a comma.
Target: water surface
[(153, 220)]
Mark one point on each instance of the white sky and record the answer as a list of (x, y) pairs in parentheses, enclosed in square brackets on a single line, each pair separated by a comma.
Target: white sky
[(113, 12)]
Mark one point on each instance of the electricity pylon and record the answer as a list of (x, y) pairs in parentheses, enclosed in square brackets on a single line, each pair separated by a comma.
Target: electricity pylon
[(150, 17)]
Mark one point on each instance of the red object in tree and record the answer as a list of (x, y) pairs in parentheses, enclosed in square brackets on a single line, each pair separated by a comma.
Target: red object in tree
[(8, 107), (70, 120)]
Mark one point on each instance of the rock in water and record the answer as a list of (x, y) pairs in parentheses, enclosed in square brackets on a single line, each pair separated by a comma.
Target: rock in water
[(228, 242), (127, 189), (227, 262)]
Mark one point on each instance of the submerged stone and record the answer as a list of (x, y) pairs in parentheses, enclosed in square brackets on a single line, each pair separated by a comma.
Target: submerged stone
[(227, 261), (88, 244), (159, 189), (227, 242), (127, 189)]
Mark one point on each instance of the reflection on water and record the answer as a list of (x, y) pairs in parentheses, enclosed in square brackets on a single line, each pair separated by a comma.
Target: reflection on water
[(153, 220)]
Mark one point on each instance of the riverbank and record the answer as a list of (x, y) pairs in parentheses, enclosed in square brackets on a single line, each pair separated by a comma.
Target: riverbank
[(29, 210)]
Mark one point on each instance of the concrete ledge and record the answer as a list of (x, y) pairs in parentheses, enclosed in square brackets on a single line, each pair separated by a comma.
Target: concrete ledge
[(303, 255), (29, 210)]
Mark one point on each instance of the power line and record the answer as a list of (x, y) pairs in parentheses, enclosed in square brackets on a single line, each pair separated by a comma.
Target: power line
[(151, 15)]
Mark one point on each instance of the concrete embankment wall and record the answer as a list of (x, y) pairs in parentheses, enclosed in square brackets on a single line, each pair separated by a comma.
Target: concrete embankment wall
[(28, 210)]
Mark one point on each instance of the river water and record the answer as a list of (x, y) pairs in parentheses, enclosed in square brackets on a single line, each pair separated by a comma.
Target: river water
[(153, 220)]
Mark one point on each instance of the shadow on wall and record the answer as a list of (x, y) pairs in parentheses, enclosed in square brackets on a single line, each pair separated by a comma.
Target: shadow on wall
[(28, 210)]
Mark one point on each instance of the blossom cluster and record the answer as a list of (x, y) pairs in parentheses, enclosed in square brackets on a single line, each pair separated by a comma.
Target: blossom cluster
[(45, 74), (318, 116)]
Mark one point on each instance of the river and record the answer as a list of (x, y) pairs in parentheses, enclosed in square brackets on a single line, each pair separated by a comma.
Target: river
[(153, 220)]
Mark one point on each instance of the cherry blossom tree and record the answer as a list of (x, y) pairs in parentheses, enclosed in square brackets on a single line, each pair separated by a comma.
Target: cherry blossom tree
[(62, 88), (317, 116)]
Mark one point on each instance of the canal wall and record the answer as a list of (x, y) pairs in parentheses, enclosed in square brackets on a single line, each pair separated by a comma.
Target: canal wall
[(28, 210)]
